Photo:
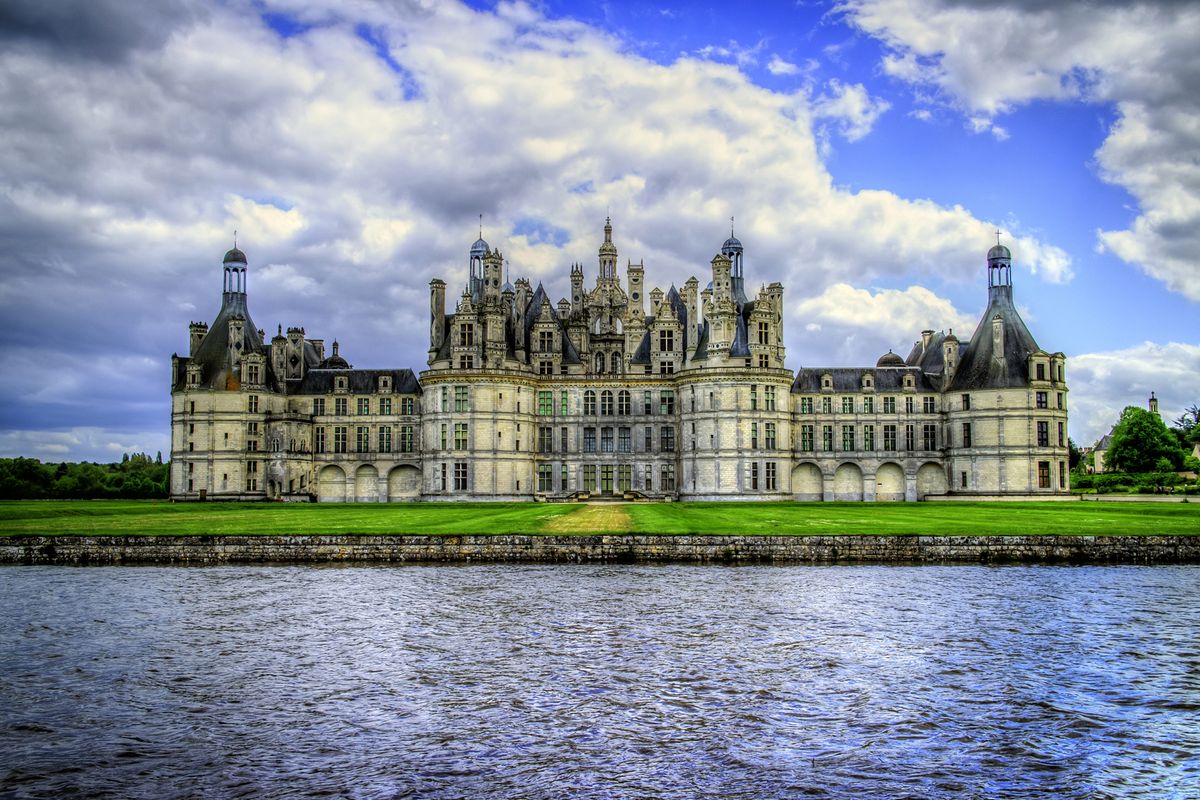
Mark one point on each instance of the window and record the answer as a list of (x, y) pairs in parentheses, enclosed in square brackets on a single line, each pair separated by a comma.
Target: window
[(624, 477), (1062, 475), (623, 441), (666, 439), (545, 341), (666, 340), (545, 478), (362, 439), (666, 368), (847, 438), (443, 477), (1043, 474), (827, 438), (363, 407), (889, 405), (753, 398), (753, 435), (616, 363), (445, 399), (545, 440), (606, 403), (966, 405), (1061, 436), (806, 437), (847, 405), (406, 438), (764, 333), (648, 474), (868, 437), (826, 405), (589, 440), (769, 397), (252, 403), (319, 443), (340, 406), (545, 368), (563, 403), (910, 438), (1040, 400), (806, 405), (339, 439), (962, 480), (599, 362), (466, 362), (770, 444), (460, 476), (908, 405), (649, 443), (466, 334), (1060, 399), (460, 436), (251, 373), (589, 402), (606, 478), (562, 477), (764, 361), (1041, 376), (589, 477), (868, 405), (563, 440), (966, 434), (754, 476), (648, 402), (623, 402), (889, 437), (929, 437), (1043, 434), (252, 428), (319, 407), (928, 405), (406, 405), (385, 438), (445, 445), (460, 398), (667, 479), (545, 402), (666, 401), (606, 440), (385, 406), (772, 480)]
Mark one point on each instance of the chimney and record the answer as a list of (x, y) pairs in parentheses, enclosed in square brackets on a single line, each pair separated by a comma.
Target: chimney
[(437, 315)]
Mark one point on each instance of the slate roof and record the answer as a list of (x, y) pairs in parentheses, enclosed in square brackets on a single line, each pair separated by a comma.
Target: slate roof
[(359, 381), (979, 367), (217, 370), (849, 379)]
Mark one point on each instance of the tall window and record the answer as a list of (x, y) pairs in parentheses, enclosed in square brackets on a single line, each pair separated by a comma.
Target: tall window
[(648, 477), (666, 401), (545, 439), (966, 434), (847, 405), (319, 407), (589, 477), (868, 405), (826, 405), (545, 341), (339, 439), (545, 478), (1043, 434), (1041, 376), (1043, 473), (363, 406), (908, 405), (606, 440), (385, 406), (460, 476), (769, 392), (545, 404), (624, 477), (385, 438), (623, 402), (868, 437), (319, 443), (667, 480), (252, 403), (929, 437), (966, 402), (589, 402), (647, 402), (1060, 399), (753, 435), (616, 363), (563, 402), (624, 440), (666, 439), (339, 406), (889, 437), (764, 333), (1062, 474), (460, 398), (545, 368), (445, 399), (666, 340), (606, 478), (460, 436), (889, 405), (806, 405), (910, 438), (847, 438), (1061, 436), (806, 437), (754, 475), (466, 334), (771, 477), (563, 441), (589, 440), (1040, 399), (362, 439), (928, 405), (606, 403), (444, 439), (406, 438), (827, 438), (770, 444), (649, 439), (753, 397)]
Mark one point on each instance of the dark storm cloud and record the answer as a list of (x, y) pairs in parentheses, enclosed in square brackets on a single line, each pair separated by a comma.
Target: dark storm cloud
[(106, 30)]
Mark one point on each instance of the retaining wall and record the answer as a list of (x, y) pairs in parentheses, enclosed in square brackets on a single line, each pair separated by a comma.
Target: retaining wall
[(703, 549)]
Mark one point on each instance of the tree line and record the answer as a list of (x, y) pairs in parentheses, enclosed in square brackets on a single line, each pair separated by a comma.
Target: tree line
[(138, 476)]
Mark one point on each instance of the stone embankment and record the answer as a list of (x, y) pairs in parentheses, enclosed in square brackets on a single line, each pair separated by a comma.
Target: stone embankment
[(624, 548)]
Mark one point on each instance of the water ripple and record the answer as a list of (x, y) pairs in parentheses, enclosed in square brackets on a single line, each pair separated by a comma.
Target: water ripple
[(600, 682)]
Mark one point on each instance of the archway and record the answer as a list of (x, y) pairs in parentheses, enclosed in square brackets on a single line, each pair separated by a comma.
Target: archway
[(404, 483), (366, 484), (848, 483), (807, 482), (931, 479), (889, 482), (331, 485)]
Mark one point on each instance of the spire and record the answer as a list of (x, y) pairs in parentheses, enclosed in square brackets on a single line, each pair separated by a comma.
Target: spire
[(608, 230)]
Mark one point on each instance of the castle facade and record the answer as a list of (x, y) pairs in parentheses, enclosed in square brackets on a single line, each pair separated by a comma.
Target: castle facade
[(682, 395)]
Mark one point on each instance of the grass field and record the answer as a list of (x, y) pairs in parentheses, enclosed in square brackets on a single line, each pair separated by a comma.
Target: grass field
[(948, 519)]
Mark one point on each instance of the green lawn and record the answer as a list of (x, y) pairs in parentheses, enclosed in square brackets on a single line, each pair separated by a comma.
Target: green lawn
[(159, 518)]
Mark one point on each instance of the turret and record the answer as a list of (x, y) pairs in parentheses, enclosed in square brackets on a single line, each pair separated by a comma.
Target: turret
[(999, 272), (196, 333), (493, 268), (722, 279), (949, 358), (577, 288), (607, 255)]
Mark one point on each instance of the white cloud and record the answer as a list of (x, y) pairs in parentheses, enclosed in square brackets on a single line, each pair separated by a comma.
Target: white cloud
[(1142, 57), (852, 109), (1103, 384), (82, 444), (777, 66)]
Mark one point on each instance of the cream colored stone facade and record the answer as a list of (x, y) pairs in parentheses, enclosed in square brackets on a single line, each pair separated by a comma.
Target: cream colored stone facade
[(679, 395)]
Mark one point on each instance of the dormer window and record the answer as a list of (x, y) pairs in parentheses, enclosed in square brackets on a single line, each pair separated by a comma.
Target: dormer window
[(340, 384), (908, 381), (385, 383), (826, 382), (868, 382)]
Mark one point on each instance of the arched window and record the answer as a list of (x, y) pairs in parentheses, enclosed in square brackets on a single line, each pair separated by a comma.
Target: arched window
[(616, 363), (589, 402), (599, 362), (606, 403), (623, 404)]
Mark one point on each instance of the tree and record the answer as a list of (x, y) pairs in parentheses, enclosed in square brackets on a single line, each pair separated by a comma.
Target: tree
[(1073, 454), (1139, 441), (1187, 427)]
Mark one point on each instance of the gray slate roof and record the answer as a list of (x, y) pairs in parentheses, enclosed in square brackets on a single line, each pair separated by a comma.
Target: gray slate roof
[(979, 367)]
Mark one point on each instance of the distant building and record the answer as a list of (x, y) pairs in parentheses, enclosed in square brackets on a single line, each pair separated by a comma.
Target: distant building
[(1101, 448), (600, 395)]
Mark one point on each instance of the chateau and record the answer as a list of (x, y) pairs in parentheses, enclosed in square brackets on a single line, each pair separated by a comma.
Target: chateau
[(681, 395)]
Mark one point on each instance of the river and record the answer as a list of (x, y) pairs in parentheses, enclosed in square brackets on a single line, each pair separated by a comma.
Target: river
[(516, 681)]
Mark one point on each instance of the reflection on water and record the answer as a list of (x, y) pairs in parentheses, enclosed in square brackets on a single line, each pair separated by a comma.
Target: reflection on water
[(600, 682)]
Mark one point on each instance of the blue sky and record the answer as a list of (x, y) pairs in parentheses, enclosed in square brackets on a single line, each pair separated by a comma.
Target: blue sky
[(867, 148)]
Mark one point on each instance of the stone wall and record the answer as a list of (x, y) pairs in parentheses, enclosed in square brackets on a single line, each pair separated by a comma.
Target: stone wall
[(714, 549)]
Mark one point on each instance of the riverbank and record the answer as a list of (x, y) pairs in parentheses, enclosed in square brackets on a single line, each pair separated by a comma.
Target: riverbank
[(617, 549)]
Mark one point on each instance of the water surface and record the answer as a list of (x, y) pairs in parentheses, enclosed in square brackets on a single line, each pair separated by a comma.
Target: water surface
[(600, 682)]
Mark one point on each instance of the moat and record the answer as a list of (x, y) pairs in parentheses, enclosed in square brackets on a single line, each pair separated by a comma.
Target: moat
[(599, 681)]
